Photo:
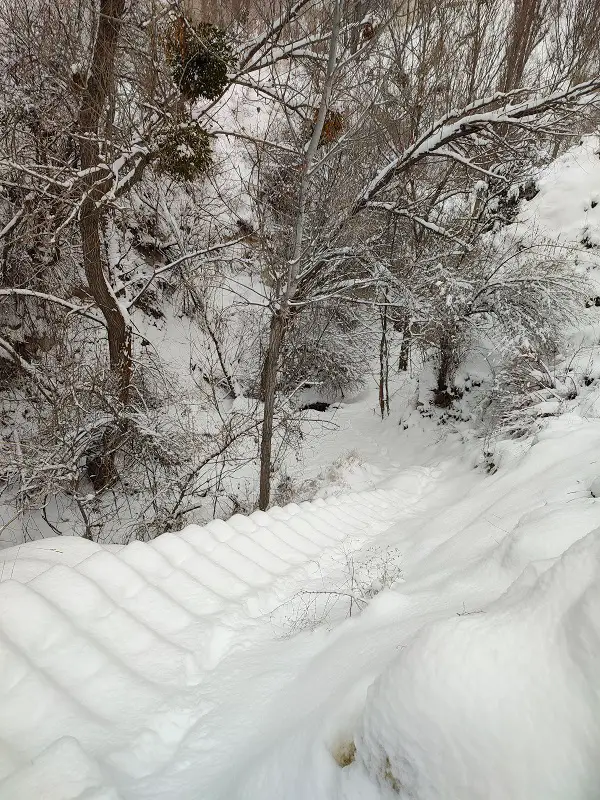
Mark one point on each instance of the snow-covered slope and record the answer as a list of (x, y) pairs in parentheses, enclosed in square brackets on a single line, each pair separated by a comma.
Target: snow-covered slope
[(166, 670), (432, 635), (103, 645)]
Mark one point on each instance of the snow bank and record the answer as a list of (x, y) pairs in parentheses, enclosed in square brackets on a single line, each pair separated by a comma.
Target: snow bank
[(105, 645), (475, 676), (199, 665), (567, 206), (503, 702), (159, 670)]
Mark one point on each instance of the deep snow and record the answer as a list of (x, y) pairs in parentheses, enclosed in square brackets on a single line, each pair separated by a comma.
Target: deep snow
[(221, 662), (168, 669)]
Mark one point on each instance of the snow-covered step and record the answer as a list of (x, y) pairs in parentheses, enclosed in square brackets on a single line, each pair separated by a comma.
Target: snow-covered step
[(146, 602), (111, 626), (61, 772), (97, 644)]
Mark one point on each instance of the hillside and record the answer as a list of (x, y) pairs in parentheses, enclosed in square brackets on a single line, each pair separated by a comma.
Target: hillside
[(431, 633), (299, 400)]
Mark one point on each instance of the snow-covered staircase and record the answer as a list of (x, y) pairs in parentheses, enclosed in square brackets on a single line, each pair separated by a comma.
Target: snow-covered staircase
[(99, 646)]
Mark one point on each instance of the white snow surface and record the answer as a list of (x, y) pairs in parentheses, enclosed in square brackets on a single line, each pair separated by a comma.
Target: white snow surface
[(221, 662), (183, 668)]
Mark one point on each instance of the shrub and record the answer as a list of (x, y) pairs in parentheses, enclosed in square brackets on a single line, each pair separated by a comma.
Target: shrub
[(526, 388), (200, 57), (361, 577), (185, 152), (326, 349), (333, 126)]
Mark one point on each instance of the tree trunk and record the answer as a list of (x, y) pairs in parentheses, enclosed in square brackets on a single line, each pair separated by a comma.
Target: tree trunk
[(525, 31), (119, 335), (100, 83), (281, 314), (357, 14), (404, 357), (384, 363), (269, 378), (442, 394)]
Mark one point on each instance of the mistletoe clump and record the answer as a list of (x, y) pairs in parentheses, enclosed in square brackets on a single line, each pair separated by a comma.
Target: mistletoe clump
[(333, 127), (185, 152), (200, 57)]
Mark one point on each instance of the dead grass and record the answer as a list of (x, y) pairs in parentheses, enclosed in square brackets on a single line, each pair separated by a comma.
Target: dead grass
[(345, 753)]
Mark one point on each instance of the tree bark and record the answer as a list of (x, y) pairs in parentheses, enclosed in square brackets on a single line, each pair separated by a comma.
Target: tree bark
[(99, 84), (269, 380), (404, 357), (442, 393), (384, 363), (282, 311), (525, 30)]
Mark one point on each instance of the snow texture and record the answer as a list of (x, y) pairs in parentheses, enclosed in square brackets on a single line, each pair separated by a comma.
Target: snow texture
[(165, 669), (99, 644), (223, 663)]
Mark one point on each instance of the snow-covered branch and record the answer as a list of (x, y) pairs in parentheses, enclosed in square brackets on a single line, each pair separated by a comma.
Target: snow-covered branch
[(424, 223), (463, 124), (50, 298)]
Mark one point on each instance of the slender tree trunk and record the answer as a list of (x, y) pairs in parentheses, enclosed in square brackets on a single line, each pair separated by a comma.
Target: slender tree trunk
[(357, 14), (269, 378), (525, 31), (404, 358), (282, 312), (384, 363), (119, 341), (442, 394), (92, 110)]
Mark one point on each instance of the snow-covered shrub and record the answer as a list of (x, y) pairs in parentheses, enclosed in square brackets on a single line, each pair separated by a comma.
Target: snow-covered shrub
[(335, 476), (279, 188), (200, 56), (525, 389), (93, 467), (287, 490), (523, 306), (506, 203), (517, 296), (358, 578), (185, 152), (526, 297), (326, 349)]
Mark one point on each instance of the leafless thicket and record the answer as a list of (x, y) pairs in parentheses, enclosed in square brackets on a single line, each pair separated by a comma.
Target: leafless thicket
[(400, 138)]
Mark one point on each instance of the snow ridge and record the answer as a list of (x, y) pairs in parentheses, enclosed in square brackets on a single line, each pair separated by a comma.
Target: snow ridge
[(98, 645)]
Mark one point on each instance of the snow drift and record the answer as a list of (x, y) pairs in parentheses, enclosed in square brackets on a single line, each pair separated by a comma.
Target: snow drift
[(430, 633), (164, 670)]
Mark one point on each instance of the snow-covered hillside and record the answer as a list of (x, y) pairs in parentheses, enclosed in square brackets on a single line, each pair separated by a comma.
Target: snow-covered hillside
[(425, 629), (169, 669)]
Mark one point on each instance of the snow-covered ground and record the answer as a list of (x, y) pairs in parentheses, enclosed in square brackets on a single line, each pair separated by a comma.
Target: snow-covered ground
[(201, 664), (424, 629)]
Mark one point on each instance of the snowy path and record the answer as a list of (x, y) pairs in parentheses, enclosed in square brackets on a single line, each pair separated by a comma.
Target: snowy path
[(167, 670), (119, 649), (162, 671)]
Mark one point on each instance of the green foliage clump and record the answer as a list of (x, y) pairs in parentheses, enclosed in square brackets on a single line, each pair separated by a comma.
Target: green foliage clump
[(185, 153), (200, 57)]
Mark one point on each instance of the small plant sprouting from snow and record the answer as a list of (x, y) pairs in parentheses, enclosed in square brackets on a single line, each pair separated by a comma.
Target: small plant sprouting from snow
[(360, 578), (381, 570), (289, 490), (332, 480), (342, 465)]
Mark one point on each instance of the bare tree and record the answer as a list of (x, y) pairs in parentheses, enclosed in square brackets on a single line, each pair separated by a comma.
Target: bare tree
[(388, 159), (99, 85), (281, 313), (528, 26)]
